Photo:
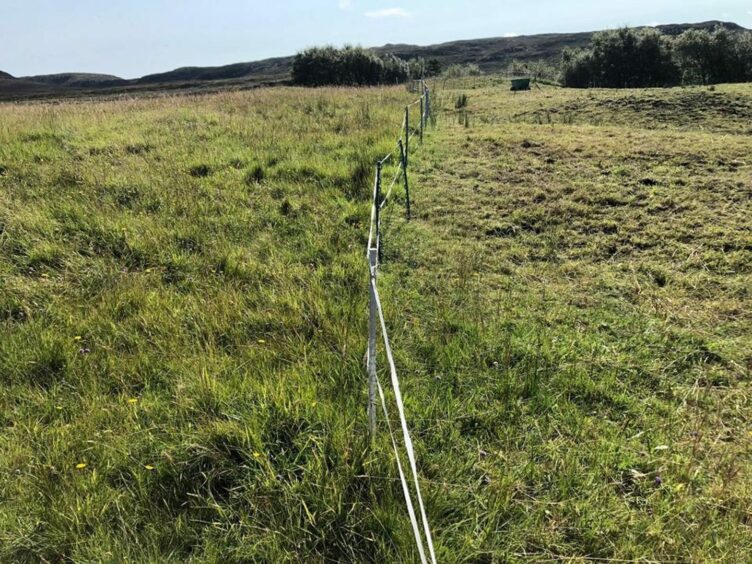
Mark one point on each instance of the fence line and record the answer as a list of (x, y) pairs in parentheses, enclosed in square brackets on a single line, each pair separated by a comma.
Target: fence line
[(403, 420), (377, 321)]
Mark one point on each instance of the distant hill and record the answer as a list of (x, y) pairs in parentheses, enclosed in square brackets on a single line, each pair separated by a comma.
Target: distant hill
[(495, 54), (276, 67), (491, 55), (18, 89), (77, 80), (5, 75), (678, 29)]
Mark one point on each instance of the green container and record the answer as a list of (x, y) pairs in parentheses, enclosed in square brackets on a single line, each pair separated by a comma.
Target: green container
[(519, 84)]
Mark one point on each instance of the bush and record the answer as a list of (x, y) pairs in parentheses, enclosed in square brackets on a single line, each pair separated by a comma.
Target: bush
[(350, 66), (714, 57), (623, 58), (577, 68), (459, 71), (537, 70), (630, 58), (433, 67)]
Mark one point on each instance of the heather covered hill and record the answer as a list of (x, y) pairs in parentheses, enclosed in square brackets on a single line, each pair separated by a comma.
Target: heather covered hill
[(78, 79), (490, 54), (184, 312), (270, 67)]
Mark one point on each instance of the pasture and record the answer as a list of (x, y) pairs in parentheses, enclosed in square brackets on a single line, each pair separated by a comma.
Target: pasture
[(183, 318)]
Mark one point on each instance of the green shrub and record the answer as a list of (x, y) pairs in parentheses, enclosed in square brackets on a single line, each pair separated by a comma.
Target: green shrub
[(459, 71), (350, 66), (632, 58)]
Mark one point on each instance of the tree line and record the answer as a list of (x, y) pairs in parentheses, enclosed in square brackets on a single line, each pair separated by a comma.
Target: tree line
[(640, 58), (356, 66)]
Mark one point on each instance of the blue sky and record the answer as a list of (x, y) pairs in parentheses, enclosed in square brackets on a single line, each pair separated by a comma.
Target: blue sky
[(131, 38)]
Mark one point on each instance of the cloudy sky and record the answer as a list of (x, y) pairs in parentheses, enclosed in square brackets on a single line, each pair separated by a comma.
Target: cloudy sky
[(131, 38)]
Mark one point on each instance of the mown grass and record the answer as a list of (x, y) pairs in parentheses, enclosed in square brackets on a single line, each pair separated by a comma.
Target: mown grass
[(183, 311), (573, 314)]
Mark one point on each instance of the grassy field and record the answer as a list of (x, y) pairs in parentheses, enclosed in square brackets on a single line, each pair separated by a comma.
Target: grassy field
[(183, 319)]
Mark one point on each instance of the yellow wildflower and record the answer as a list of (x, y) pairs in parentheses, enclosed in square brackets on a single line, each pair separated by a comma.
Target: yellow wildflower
[(81, 465)]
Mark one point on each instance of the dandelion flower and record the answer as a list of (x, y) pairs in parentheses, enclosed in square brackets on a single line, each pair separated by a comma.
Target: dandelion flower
[(77, 338), (257, 455), (80, 465), (133, 400), (261, 341), (149, 467)]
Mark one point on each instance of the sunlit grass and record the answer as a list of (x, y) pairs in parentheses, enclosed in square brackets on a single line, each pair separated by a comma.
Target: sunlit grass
[(183, 310), (182, 297)]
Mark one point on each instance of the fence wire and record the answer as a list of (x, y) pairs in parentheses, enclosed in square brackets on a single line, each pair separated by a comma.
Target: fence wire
[(423, 539)]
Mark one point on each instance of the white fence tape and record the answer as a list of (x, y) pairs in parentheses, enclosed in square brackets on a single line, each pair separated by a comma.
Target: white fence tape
[(374, 248), (403, 421), (403, 479)]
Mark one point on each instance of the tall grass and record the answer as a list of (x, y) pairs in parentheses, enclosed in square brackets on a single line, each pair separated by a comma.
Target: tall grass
[(183, 319), (181, 314)]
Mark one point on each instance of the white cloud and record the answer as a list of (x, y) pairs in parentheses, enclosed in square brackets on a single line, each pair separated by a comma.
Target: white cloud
[(511, 34), (345, 4), (389, 13)]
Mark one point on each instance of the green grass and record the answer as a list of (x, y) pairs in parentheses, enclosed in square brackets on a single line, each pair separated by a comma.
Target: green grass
[(183, 309)]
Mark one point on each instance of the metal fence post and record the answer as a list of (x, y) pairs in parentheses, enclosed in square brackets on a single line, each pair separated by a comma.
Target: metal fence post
[(407, 135), (372, 262), (428, 105), (422, 116), (379, 164), (403, 160)]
